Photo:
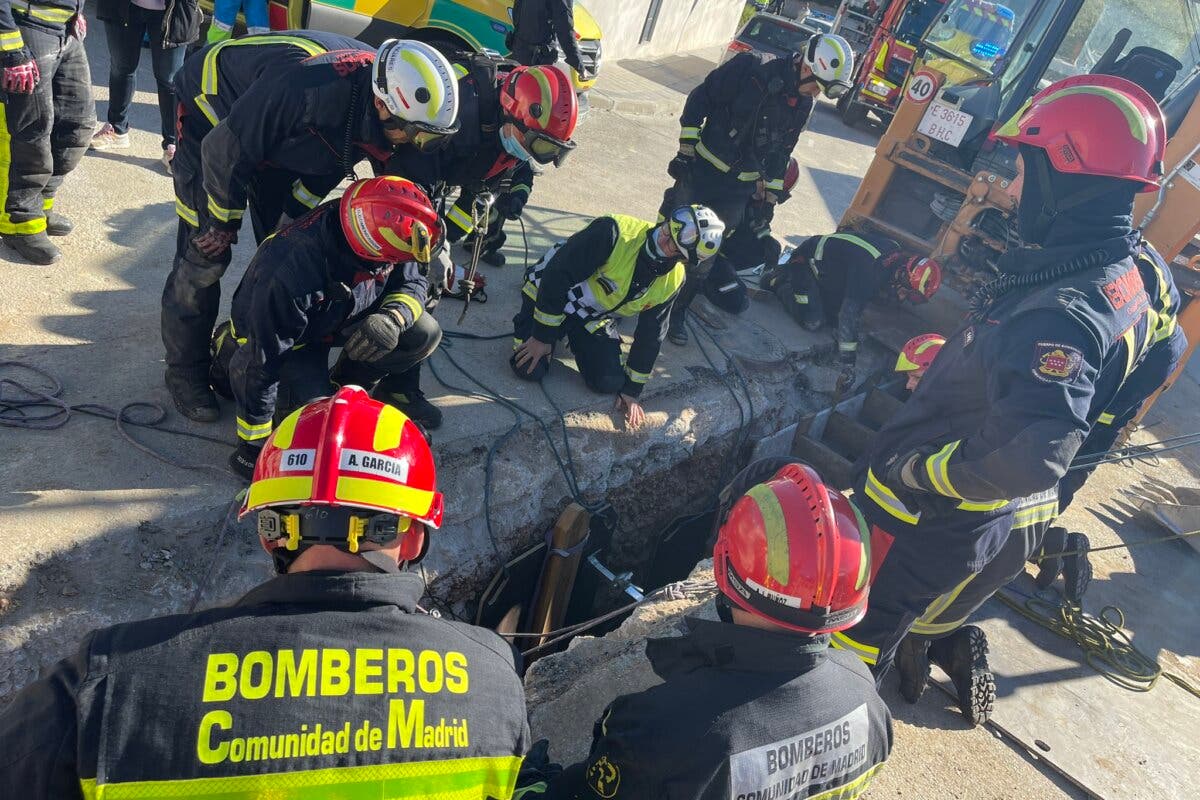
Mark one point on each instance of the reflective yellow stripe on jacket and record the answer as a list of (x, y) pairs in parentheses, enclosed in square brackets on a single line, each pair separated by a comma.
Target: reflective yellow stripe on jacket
[(846, 237), (57, 16), (452, 779), (209, 74)]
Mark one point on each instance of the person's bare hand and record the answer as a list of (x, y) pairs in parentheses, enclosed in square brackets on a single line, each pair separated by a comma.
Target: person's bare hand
[(635, 415), (531, 352)]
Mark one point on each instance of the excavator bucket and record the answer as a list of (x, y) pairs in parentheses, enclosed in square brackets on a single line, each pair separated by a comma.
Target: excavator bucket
[(1176, 508)]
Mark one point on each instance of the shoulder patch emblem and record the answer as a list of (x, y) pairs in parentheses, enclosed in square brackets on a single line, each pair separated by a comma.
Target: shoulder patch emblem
[(604, 778), (968, 336), (1056, 363)]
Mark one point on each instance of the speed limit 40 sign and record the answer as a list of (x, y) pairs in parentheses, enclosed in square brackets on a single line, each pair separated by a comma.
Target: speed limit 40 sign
[(921, 88)]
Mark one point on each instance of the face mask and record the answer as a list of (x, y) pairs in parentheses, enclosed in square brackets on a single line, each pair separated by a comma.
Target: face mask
[(512, 146)]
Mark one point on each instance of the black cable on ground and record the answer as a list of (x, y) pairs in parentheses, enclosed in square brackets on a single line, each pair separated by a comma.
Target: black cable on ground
[(745, 418), (202, 584), (44, 409)]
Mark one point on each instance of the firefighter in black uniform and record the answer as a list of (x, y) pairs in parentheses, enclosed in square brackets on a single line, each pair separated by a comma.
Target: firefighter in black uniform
[(757, 704), (277, 121), (739, 127), (1166, 352), (327, 680), (830, 280), (499, 141), (48, 117), (537, 24), (751, 245), (940, 636), (617, 266), (353, 272), (1002, 411)]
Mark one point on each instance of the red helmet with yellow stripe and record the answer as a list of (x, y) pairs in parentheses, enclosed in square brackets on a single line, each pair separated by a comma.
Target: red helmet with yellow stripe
[(917, 278), (342, 470), (919, 352), (389, 219), (792, 550), (541, 103)]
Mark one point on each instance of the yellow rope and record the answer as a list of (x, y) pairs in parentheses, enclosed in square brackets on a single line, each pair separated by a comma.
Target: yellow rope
[(1106, 647)]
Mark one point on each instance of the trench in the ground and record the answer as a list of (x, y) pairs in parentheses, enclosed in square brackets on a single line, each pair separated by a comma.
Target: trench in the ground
[(662, 535)]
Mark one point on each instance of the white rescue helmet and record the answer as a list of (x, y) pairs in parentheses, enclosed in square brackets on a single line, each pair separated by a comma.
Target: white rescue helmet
[(832, 63), (416, 84), (697, 231)]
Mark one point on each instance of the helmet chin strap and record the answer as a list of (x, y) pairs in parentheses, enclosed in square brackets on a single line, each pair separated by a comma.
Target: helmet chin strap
[(1051, 207)]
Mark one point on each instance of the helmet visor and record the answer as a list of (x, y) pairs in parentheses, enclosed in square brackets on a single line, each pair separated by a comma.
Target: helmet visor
[(834, 89), (426, 138), (545, 149)]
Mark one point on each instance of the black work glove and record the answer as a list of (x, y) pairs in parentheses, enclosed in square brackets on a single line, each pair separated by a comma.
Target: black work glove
[(213, 242), (680, 166), (376, 336), (244, 457), (905, 477), (509, 206), (537, 769)]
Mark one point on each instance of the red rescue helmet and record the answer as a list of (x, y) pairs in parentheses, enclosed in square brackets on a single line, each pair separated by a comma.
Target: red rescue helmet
[(919, 352), (791, 175), (389, 219), (792, 550), (541, 103), (1094, 125), (342, 470), (917, 278)]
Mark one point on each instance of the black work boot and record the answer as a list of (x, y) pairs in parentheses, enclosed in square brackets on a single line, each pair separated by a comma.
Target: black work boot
[(963, 656), (58, 224), (1077, 567), (193, 396), (403, 390), (493, 257), (36, 248), (1050, 565), (414, 404), (912, 664)]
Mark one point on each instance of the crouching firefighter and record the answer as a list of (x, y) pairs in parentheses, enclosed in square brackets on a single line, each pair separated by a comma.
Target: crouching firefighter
[(830, 280), (352, 273), (513, 118), (326, 680), (272, 123), (617, 266), (746, 701), (749, 247), (1005, 406)]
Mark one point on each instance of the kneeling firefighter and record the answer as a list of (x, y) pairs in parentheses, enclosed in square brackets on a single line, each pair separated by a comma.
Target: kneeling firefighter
[(272, 123), (352, 273), (747, 247), (792, 563), (830, 280), (617, 266), (314, 683), (1002, 411)]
